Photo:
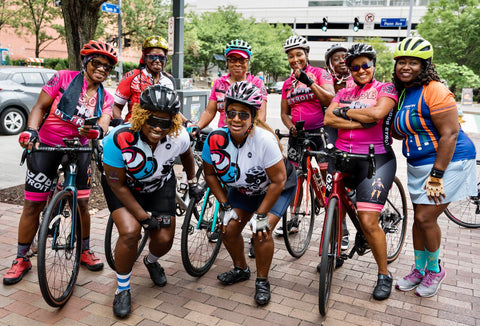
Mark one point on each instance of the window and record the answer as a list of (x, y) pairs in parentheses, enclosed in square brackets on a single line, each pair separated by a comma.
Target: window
[(33, 79), (18, 78)]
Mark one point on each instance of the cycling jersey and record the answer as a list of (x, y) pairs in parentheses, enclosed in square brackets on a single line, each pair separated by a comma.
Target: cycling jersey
[(134, 82), (242, 168), (301, 99), (358, 97), (57, 126), (221, 85), (414, 123), (146, 171)]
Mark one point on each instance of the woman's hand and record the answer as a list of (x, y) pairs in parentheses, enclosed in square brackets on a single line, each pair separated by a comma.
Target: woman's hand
[(435, 191)]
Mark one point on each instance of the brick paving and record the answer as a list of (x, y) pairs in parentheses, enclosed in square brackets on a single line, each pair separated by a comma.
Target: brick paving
[(204, 301)]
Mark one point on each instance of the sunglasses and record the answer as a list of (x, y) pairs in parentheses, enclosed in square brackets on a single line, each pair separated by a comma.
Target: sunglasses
[(155, 57), (241, 115), (97, 64), (365, 66), (237, 59), (156, 122)]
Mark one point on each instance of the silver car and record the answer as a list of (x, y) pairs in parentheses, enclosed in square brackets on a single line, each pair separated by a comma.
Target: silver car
[(19, 90)]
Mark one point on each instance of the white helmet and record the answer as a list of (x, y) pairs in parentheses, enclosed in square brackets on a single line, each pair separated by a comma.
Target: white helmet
[(294, 42)]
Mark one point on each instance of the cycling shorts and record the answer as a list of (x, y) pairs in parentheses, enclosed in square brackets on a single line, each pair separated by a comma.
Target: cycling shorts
[(42, 170), (371, 194), (159, 202), (251, 203)]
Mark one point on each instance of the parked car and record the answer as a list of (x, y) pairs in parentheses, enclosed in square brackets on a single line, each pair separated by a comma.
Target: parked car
[(275, 87), (19, 90)]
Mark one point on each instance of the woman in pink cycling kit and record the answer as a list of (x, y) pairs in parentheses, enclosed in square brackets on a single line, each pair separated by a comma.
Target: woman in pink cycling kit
[(67, 99), (363, 116)]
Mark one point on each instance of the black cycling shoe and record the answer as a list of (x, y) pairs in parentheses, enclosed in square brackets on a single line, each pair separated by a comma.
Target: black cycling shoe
[(122, 304), (251, 252), (157, 273), (235, 275), (262, 291), (384, 287)]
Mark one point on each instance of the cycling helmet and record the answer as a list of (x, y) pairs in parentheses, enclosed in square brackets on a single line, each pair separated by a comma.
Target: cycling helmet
[(155, 42), (332, 50), (360, 50), (416, 47), (244, 93), (158, 98), (238, 46), (296, 41), (100, 48)]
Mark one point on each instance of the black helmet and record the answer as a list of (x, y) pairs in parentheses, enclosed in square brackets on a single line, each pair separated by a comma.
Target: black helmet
[(159, 98), (332, 50), (360, 50)]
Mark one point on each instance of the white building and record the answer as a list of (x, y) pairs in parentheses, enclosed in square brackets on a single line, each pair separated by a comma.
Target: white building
[(377, 18)]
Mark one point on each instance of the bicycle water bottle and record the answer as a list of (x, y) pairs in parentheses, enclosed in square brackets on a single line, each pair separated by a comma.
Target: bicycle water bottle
[(352, 194)]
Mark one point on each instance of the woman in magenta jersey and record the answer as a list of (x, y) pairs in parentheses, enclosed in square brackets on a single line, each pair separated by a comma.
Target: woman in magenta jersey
[(363, 116)]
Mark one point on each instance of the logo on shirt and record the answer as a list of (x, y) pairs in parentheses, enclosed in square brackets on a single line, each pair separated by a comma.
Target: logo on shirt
[(53, 81)]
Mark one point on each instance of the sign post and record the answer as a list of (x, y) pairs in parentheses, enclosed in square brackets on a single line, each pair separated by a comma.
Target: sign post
[(115, 9)]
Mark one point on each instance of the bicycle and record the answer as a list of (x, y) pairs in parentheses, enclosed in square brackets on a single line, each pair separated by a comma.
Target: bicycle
[(201, 238), (466, 212), (60, 232), (309, 199), (392, 220)]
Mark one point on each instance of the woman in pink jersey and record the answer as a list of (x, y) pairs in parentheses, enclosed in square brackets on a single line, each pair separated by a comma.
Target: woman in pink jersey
[(363, 116), (67, 99)]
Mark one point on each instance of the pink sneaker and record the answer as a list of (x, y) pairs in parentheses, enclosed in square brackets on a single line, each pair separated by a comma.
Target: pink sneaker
[(20, 267), (410, 281), (431, 283)]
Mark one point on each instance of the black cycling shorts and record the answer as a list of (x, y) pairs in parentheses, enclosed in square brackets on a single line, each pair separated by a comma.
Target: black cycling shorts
[(159, 202)]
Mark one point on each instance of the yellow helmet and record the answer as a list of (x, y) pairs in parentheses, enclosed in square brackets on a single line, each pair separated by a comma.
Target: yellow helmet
[(416, 47), (155, 42)]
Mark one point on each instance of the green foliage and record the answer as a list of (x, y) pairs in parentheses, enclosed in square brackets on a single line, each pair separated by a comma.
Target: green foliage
[(55, 63), (452, 26), (457, 77), (127, 66), (384, 66), (8, 60)]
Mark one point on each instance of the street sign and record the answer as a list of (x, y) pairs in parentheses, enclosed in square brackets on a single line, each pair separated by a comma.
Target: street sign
[(393, 22), (110, 7), (369, 24)]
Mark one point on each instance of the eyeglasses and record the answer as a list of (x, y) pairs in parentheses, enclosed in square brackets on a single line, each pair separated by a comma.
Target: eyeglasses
[(97, 64), (241, 115), (154, 57), (237, 59), (365, 66), (156, 122)]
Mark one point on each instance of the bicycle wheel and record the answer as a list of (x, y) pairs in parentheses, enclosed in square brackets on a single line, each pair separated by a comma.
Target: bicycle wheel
[(297, 229), (328, 255), (466, 212), (59, 248), (111, 237), (198, 250), (393, 220)]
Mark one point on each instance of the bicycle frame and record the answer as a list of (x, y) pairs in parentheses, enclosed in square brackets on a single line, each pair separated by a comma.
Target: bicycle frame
[(202, 212), (69, 184)]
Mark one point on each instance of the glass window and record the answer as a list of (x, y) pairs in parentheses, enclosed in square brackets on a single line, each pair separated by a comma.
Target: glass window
[(33, 79), (18, 78)]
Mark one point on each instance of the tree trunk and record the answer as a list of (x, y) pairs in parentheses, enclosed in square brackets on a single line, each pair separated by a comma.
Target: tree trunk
[(80, 19)]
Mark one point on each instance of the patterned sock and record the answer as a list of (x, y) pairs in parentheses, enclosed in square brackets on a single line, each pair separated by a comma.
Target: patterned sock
[(420, 260), (151, 258), (432, 260), (123, 281), (22, 249), (86, 244)]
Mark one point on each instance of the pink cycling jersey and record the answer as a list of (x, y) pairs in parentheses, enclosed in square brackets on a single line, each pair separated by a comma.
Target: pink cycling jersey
[(220, 87), (359, 97), (55, 128), (301, 99)]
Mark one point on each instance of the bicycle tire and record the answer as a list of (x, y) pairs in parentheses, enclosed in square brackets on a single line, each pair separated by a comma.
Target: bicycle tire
[(198, 252), (58, 256), (111, 237), (328, 255), (465, 212), (393, 220), (297, 243)]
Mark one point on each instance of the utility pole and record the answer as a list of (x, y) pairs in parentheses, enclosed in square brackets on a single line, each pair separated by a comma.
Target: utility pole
[(120, 66), (409, 26), (177, 59)]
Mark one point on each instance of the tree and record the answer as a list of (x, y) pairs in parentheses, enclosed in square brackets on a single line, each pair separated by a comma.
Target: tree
[(457, 77), (6, 13), (452, 27)]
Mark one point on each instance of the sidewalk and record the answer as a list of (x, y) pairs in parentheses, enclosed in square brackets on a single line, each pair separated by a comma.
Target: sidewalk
[(189, 301)]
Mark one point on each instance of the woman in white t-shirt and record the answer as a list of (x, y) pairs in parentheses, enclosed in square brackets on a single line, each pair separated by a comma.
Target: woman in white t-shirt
[(245, 156)]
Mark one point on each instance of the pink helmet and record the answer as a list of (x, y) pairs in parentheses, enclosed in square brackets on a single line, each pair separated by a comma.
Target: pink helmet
[(244, 93)]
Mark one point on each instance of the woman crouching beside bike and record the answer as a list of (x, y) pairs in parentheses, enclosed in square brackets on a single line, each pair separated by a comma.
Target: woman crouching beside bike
[(246, 157), (138, 158), (440, 156), (363, 115)]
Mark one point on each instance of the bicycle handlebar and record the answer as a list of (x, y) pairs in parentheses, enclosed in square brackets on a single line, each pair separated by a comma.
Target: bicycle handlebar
[(331, 151), (72, 145)]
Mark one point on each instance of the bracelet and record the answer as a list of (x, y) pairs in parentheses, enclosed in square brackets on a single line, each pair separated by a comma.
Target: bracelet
[(225, 206), (436, 173)]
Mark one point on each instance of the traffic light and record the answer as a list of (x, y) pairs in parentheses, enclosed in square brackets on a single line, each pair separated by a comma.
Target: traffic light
[(126, 42), (113, 41), (324, 24), (356, 24), (58, 3)]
